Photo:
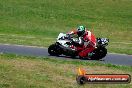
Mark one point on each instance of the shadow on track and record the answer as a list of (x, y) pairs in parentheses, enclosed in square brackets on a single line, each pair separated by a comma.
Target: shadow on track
[(76, 58)]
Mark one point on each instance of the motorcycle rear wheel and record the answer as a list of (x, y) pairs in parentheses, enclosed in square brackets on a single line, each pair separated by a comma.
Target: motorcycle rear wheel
[(99, 53)]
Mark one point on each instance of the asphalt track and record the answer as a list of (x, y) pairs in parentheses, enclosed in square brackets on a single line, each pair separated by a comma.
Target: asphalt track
[(118, 59)]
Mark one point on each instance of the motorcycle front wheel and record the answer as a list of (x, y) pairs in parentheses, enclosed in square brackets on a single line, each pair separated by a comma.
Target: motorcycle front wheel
[(53, 50)]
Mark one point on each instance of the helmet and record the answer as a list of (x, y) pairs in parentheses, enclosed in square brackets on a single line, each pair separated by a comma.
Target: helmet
[(81, 31)]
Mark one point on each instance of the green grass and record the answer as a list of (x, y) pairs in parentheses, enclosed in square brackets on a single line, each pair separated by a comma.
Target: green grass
[(40, 21), (37, 72)]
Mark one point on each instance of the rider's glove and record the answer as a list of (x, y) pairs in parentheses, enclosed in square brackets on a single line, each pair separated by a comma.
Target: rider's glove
[(68, 36)]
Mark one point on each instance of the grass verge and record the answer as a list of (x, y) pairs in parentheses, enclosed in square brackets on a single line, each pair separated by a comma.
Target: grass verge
[(41, 72)]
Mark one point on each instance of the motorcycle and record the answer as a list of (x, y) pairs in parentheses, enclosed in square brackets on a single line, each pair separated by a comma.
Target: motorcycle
[(64, 46)]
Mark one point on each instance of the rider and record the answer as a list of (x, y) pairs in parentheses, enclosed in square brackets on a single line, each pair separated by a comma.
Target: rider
[(85, 39)]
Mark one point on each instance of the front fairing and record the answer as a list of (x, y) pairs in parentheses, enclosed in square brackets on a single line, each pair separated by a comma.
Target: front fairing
[(63, 42)]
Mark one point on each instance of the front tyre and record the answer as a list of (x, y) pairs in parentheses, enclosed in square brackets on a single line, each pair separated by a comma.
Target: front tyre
[(52, 50)]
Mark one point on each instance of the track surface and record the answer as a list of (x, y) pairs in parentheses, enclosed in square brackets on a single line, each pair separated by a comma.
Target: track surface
[(117, 59)]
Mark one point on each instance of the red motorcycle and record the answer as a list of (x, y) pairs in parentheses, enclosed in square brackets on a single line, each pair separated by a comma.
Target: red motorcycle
[(64, 46)]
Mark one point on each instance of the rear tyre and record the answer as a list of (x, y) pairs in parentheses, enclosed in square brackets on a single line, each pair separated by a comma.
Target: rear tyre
[(99, 53)]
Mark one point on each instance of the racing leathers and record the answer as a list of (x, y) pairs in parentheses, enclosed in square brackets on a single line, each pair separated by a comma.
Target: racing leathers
[(87, 42)]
